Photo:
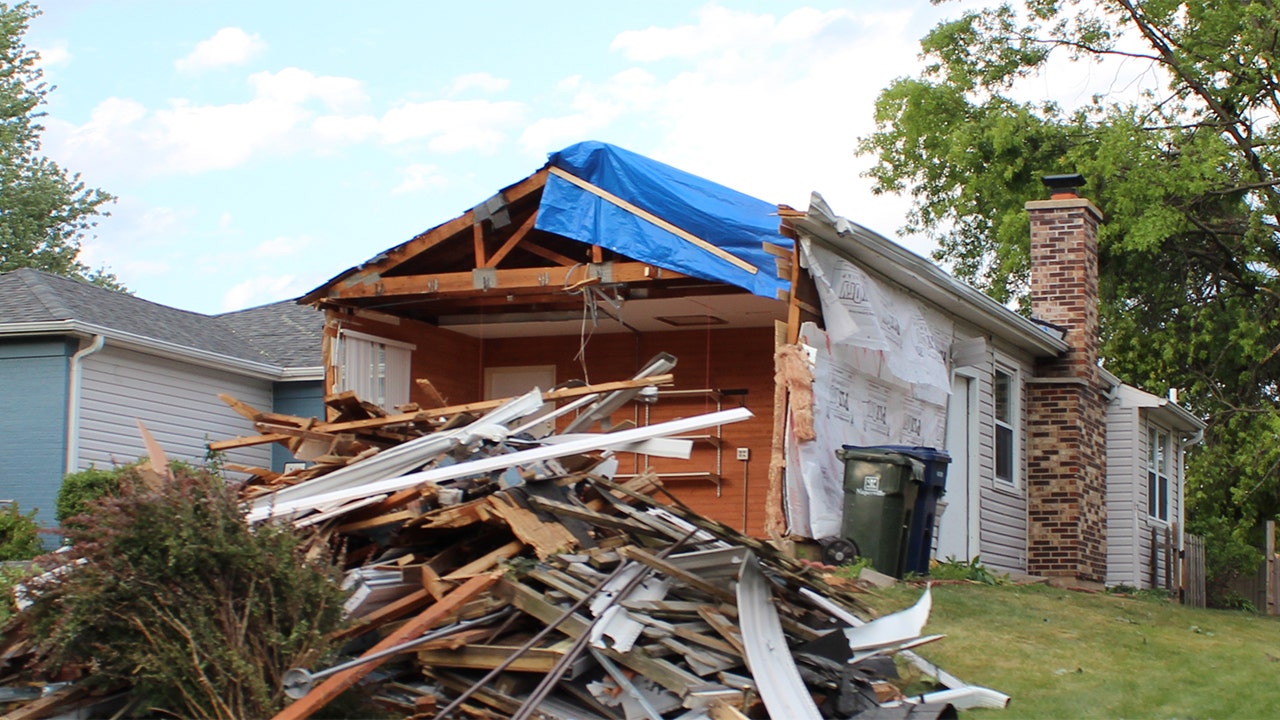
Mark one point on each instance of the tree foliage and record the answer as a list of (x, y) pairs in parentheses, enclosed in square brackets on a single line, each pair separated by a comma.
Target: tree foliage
[(169, 592), (1186, 173), (45, 211)]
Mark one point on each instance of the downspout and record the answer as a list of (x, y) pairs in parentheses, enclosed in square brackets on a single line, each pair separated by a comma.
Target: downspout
[(73, 402), (1183, 444)]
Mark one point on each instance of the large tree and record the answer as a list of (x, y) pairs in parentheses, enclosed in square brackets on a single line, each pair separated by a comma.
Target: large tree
[(1185, 171), (44, 211)]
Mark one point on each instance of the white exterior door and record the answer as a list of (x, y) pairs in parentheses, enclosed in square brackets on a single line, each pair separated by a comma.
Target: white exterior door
[(958, 527)]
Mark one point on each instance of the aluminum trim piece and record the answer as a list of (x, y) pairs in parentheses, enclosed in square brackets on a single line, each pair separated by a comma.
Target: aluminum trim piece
[(774, 669)]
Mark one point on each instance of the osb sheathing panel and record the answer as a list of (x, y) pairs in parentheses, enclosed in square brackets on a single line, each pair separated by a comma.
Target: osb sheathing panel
[(722, 359)]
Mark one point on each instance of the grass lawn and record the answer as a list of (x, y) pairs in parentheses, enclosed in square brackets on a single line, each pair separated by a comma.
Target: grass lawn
[(1067, 654)]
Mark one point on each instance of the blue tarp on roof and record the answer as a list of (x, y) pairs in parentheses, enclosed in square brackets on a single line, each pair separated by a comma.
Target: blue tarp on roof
[(727, 219)]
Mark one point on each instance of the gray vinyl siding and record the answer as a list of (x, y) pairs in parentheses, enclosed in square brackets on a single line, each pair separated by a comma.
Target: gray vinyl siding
[(303, 398), (1003, 537), (1126, 493), (33, 430), (1002, 520), (176, 401), (1146, 523)]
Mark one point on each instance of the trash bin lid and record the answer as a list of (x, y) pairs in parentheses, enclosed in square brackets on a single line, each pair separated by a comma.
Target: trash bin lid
[(921, 453), (873, 454)]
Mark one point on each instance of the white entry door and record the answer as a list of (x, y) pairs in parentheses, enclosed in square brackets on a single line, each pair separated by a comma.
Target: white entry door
[(958, 527), (504, 382)]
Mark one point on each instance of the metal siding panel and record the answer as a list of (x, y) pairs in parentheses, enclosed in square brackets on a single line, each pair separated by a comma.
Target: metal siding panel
[(177, 402), (33, 430), (304, 399), (1124, 481)]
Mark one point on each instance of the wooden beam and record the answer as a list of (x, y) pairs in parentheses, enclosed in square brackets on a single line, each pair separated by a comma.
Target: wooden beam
[(654, 219), (507, 281), (337, 683), (551, 255), (232, 444), (525, 187), (394, 257), (551, 395), (477, 241), (520, 234)]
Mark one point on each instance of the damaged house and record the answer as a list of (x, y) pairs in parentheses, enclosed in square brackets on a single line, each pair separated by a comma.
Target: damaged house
[(607, 264), (81, 366)]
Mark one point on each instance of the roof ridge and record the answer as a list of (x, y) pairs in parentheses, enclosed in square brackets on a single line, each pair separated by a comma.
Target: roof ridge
[(36, 281)]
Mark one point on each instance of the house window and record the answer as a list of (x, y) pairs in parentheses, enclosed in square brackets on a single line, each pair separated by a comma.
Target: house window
[(1005, 390), (377, 369), (1158, 474)]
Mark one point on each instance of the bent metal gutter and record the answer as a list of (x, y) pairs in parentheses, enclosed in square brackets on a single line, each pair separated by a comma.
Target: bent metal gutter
[(74, 383)]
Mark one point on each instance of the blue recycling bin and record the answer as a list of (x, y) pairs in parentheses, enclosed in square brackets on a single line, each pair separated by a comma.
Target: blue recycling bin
[(921, 518)]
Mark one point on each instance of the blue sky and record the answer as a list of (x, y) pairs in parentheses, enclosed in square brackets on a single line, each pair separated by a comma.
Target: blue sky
[(259, 148)]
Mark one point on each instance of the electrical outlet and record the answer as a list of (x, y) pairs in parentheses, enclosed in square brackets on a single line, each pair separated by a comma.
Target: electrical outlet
[(744, 454)]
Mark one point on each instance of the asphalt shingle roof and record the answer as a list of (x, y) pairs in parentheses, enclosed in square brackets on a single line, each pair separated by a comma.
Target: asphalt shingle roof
[(284, 334)]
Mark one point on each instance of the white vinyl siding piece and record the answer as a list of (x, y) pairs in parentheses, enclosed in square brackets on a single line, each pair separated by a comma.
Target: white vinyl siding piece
[(178, 402)]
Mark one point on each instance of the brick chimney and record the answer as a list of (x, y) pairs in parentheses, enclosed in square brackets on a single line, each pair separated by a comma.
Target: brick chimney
[(1066, 439)]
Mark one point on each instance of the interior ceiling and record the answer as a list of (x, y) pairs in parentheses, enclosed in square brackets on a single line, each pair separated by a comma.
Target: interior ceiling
[(737, 310)]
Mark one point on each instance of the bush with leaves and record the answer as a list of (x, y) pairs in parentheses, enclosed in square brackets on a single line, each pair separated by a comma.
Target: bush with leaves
[(172, 593), (19, 538), (81, 488)]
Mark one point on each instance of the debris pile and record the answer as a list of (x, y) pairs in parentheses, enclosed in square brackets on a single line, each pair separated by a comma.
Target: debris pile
[(493, 574)]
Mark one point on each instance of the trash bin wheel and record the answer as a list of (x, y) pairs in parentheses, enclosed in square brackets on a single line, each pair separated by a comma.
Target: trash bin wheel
[(840, 551)]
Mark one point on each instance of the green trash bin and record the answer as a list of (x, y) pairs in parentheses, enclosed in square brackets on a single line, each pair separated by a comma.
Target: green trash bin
[(880, 488)]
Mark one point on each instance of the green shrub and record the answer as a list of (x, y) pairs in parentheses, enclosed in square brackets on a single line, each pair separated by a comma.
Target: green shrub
[(181, 599), (970, 570), (81, 488), (19, 538)]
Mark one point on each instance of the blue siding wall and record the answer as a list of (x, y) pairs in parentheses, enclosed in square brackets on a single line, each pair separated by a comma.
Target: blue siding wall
[(304, 398), (33, 427)]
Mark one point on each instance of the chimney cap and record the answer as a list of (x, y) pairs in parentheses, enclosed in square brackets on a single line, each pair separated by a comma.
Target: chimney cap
[(1063, 183)]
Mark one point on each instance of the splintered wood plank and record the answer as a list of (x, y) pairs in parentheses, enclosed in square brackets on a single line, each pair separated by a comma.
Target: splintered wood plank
[(437, 413), (434, 398), (337, 683), (392, 611), (487, 561), (725, 627), (676, 573), (488, 657), (249, 412), (547, 537), (233, 443)]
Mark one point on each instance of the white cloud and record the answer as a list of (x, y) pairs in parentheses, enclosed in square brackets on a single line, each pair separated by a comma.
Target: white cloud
[(420, 176), (228, 46), (453, 125), (593, 108), (769, 105), (481, 81), (292, 86), (281, 247), (261, 290), (54, 55)]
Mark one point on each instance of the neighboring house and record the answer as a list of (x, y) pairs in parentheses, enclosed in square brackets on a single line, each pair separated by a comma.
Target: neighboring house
[(602, 259), (81, 365)]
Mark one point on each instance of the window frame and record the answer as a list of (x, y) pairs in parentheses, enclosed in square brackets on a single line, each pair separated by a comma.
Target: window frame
[(1011, 425), (1159, 473)]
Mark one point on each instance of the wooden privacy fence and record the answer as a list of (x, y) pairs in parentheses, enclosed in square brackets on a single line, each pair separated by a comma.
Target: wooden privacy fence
[(1263, 587), (1180, 570)]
